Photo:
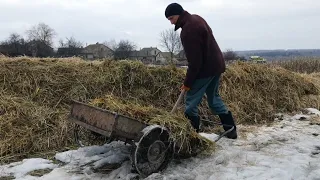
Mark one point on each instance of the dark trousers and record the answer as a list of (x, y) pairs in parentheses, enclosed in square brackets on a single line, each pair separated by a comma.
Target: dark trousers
[(210, 87)]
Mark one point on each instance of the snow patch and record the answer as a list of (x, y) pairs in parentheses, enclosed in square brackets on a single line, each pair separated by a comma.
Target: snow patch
[(22, 168), (211, 137), (114, 152), (112, 159), (300, 117), (313, 111)]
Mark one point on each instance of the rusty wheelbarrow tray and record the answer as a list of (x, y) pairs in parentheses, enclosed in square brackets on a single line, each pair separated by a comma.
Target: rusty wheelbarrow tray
[(152, 150), (105, 122)]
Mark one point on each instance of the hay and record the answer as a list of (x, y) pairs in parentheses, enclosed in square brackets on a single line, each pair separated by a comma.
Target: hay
[(125, 107), (254, 92), (55, 82), (26, 127), (312, 100), (36, 94), (180, 129)]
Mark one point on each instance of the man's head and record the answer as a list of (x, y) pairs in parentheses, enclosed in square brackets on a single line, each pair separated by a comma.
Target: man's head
[(173, 11)]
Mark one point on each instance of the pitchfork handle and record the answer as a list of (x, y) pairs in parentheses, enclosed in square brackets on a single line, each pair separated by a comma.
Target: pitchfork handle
[(178, 101)]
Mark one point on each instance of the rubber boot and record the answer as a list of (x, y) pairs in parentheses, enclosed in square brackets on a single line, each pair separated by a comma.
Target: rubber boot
[(195, 122), (228, 121)]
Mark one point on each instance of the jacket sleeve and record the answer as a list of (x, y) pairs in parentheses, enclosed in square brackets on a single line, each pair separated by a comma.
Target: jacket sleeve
[(191, 41)]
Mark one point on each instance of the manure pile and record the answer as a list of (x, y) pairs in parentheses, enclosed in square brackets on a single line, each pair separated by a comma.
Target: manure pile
[(36, 93)]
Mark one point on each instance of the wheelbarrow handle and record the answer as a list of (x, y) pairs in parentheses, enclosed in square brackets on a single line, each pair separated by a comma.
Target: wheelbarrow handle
[(178, 101)]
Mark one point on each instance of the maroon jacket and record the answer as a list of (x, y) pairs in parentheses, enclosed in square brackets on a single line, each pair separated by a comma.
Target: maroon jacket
[(204, 56)]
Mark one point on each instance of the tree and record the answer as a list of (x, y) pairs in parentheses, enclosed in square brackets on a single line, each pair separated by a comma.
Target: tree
[(41, 32), (70, 47), (38, 48), (14, 46), (14, 38), (230, 55), (70, 42), (40, 38), (123, 49), (112, 44), (170, 40)]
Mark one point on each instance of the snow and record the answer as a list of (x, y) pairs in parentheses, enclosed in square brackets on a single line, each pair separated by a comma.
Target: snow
[(288, 149), (115, 152), (20, 169), (147, 129), (313, 111), (300, 117)]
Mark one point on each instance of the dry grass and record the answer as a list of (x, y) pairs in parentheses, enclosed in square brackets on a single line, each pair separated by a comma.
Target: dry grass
[(40, 172), (35, 96), (7, 178), (255, 92), (300, 64), (26, 126), (315, 121)]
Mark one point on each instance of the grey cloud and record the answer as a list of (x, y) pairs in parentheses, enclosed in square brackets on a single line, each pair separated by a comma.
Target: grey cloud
[(256, 24)]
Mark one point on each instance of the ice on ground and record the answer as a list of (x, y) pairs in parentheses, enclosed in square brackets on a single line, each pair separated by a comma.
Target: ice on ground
[(21, 169), (313, 111), (289, 149), (115, 152), (300, 117)]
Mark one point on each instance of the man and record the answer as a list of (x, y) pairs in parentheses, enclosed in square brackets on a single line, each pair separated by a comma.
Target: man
[(205, 66)]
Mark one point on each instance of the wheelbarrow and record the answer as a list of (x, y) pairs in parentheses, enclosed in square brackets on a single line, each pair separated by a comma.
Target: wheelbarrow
[(152, 148), (151, 144)]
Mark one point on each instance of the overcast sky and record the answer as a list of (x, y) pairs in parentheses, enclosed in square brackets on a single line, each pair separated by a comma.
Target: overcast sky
[(236, 24)]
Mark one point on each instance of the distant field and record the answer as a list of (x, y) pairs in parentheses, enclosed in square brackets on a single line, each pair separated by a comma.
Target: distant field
[(300, 64)]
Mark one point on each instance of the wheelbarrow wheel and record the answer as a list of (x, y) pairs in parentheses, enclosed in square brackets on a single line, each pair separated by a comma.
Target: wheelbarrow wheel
[(153, 152), (84, 137)]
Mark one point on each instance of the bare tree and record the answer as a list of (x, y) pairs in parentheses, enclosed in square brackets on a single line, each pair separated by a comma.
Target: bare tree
[(123, 49), (230, 55), (112, 44), (70, 42), (170, 40), (70, 47), (61, 43), (14, 38), (41, 32), (14, 46), (40, 40)]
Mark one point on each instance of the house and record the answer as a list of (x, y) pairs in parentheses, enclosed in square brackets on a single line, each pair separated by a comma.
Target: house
[(69, 51), (148, 55), (169, 56), (37, 48), (181, 58), (97, 51)]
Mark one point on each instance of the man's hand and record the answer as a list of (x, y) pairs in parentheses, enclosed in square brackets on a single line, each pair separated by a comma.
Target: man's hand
[(183, 87)]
